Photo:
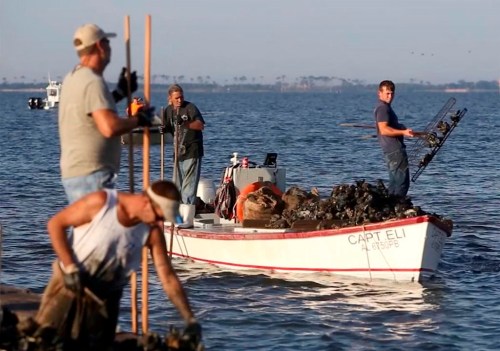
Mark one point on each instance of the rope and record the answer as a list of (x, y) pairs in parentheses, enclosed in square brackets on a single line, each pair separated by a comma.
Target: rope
[(171, 238), (367, 255)]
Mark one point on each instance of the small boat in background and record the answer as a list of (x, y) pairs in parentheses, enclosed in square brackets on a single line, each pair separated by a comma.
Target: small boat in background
[(53, 94), (51, 101)]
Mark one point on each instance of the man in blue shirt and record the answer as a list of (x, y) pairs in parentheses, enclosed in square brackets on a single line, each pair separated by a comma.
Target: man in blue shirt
[(391, 135)]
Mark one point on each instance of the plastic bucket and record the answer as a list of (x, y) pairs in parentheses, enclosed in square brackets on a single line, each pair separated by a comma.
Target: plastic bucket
[(206, 190)]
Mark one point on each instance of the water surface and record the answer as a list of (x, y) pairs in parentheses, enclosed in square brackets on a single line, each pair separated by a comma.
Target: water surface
[(458, 310)]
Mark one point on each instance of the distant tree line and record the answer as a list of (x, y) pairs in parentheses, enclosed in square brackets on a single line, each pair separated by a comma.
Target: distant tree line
[(281, 83)]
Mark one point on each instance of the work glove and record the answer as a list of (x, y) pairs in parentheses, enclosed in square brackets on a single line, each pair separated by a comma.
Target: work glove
[(122, 86), (146, 117), (192, 334), (72, 278)]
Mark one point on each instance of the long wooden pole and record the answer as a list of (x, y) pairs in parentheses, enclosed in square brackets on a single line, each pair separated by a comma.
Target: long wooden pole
[(147, 99), (162, 145), (133, 277), (175, 173), (357, 125), (129, 101)]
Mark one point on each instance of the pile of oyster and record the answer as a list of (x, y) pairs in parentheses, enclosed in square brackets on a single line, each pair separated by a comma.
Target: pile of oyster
[(348, 205), (27, 335)]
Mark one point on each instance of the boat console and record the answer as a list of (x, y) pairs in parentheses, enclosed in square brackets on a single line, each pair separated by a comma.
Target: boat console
[(245, 172)]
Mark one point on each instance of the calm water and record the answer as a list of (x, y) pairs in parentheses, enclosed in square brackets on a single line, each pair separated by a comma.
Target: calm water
[(459, 310)]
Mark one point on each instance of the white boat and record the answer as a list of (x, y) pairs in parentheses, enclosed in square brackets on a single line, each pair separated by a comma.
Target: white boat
[(400, 250), (53, 94), (51, 101), (406, 249)]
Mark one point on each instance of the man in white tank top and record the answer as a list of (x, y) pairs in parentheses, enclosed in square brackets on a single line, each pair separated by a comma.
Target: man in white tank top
[(81, 301)]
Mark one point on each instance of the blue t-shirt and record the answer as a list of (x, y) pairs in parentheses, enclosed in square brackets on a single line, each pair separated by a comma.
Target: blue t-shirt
[(384, 113)]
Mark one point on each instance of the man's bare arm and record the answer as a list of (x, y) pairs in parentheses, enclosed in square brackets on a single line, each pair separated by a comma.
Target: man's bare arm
[(169, 279), (110, 124), (386, 130)]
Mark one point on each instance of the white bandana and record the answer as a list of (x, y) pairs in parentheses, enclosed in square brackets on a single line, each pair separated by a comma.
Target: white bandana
[(169, 207)]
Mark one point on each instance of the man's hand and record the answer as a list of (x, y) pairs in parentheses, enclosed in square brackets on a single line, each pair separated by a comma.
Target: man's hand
[(419, 134), (408, 132), (122, 86), (192, 333), (72, 279)]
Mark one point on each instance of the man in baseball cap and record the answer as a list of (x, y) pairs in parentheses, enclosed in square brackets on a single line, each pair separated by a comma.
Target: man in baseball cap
[(89, 124), (88, 35)]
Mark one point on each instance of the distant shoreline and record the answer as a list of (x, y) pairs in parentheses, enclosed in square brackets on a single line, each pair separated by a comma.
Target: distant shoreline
[(259, 88), (243, 90), (21, 90)]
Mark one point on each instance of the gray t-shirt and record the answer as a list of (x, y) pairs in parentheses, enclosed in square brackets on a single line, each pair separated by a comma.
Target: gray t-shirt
[(192, 140), (84, 149)]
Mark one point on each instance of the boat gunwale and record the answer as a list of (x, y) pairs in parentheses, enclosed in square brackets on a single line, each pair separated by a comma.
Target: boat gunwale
[(220, 234)]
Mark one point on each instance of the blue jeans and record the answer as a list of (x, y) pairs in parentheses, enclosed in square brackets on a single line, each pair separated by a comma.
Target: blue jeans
[(188, 176), (77, 187), (399, 173)]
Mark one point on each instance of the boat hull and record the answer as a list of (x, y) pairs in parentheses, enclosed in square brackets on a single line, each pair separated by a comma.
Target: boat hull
[(400, 250)]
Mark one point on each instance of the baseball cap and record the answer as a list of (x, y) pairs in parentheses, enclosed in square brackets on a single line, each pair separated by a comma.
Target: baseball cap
[(89, 34), (169, 207)]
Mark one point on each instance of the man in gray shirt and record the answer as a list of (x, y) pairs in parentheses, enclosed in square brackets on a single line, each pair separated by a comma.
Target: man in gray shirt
[(89, 125)]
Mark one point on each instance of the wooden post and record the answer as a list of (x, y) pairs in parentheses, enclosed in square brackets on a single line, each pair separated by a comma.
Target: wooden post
[(146, 142), (162, 145), (175, 174), (133, 277)]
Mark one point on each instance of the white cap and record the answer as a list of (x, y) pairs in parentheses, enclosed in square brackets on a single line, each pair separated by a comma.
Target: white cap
[(88, 35)]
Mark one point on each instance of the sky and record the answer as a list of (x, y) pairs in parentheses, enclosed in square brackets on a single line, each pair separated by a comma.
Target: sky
[(436, 41)]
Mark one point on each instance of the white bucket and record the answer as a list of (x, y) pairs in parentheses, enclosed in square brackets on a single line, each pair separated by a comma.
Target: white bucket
[(206, 190), (187, 213)]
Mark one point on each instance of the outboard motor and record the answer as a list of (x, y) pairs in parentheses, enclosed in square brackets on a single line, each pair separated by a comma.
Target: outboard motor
[(35, 103), (31, 103)]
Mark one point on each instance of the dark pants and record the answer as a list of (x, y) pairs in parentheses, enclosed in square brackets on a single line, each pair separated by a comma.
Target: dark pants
[(399, 173), (81, 321)]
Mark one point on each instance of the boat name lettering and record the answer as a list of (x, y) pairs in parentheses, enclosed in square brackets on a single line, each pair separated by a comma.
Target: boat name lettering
[(382, 245), (392, 234)]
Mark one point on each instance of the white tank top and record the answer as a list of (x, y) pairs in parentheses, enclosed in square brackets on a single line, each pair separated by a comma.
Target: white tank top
[(106, 249)]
